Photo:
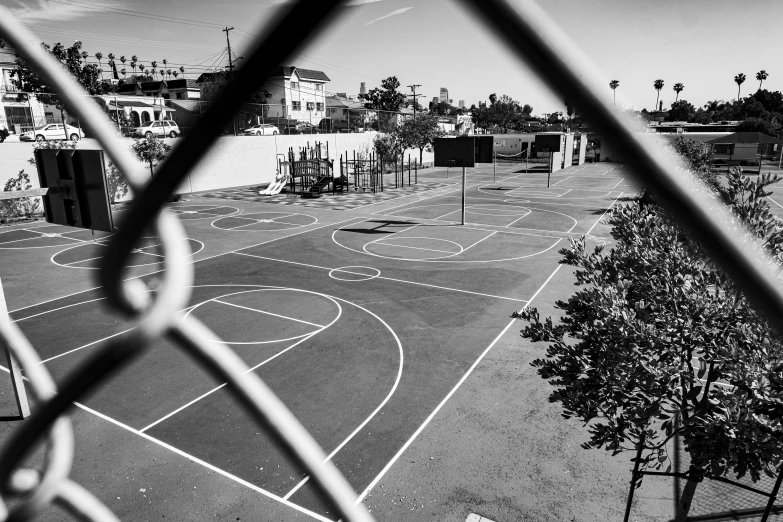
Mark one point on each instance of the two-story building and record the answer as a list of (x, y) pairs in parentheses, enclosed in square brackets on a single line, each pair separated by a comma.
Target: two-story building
[(297, 94), (19, 112)]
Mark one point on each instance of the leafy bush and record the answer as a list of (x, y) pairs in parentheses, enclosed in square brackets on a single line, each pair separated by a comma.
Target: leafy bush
[(658, 341), (19, 208)]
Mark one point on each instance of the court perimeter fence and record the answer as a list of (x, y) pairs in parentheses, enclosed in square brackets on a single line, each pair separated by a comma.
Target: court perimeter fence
[(525, 29)]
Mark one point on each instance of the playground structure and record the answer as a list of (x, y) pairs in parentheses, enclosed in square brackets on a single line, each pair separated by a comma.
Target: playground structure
[(368, 171), (312, 168)]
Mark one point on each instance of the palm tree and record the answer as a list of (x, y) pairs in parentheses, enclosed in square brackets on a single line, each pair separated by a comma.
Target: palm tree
[(123, 72), (614, 84), (134, 61), (175, 73), (182, 70), (168, 73), (122, 59), (678, 88), (141, 68), (761, 76), (85, 55), (164, 63), (98, 57), (739, 80), (154, 66), (658, 84)]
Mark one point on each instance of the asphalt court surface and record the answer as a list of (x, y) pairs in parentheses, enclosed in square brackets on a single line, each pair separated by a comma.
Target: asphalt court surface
[(362, 321)]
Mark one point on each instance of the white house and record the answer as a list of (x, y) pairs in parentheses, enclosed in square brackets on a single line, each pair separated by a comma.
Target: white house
[(19, 112), (297, 94)]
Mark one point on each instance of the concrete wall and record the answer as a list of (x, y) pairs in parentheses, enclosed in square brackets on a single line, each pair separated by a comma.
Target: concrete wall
[(234, 161), (568, 151)]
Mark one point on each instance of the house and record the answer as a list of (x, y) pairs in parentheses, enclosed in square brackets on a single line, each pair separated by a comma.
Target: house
[(297, 94), (20, 112), (742, 149), (180, 89)]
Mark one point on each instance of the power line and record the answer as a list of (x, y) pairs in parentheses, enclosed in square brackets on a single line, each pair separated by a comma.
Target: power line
[(137, 14), (124, 40)]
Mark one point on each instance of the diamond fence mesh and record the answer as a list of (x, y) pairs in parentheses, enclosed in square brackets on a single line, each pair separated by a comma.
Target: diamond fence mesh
[(525, 29)]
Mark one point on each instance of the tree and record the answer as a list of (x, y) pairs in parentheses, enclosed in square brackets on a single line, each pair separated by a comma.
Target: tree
[(678, 88), (658, 342), (658, 84), (614, 84), (504, 112), (420, 133), (182, 70), (758, 125), (150, 151), (739, 80), (134, 61), (24, 78), (761, 76), (681, 111), (480, 117), (386, 99), (99, 56)]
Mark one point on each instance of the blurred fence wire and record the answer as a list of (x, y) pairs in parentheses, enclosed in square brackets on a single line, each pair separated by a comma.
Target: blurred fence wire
[(525, 29)]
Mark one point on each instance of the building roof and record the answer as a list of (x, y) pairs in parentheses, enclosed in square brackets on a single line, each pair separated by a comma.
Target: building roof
[(188, 105), (127, 88), (132, 104), (746, 137), (182, 83), (307, 74), (152, 86)]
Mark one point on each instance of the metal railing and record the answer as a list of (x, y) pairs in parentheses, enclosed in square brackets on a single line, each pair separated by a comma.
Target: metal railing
[(526, 30)]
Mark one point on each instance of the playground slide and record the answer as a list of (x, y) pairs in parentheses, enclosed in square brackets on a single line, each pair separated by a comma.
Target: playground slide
[(274, 188)]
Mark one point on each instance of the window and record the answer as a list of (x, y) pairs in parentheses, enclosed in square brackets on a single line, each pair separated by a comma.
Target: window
[(319, 87), (179, 95), (294, 85), (724, 148), (319, 106), (157, 124), (296, 106), (310, 106)]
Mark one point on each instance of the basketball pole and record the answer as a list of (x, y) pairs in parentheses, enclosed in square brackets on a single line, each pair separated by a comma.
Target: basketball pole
[(13, 365), (463, 194)]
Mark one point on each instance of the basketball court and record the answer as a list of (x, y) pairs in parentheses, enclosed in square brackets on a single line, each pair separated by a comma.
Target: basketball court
[(364, 321)]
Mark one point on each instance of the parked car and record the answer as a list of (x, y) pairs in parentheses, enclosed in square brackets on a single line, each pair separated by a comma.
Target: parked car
[(161, 129), (53, 131), (336, 125), (306, 128), (264, 129)]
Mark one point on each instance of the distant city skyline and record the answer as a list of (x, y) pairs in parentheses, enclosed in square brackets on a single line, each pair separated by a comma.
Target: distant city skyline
[(701, 43)]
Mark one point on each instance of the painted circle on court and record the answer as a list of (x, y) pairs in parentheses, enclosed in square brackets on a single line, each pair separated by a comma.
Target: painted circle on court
[(267, 315), (146, 252), (354, 273), (264, 221), (192, 212), (445, 243), (47, 236)]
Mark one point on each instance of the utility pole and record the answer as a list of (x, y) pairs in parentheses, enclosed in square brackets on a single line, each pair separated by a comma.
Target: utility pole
[(415, 96), (230, 70), (228, 43)]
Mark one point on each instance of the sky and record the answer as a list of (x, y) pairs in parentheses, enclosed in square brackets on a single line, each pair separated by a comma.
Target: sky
[(436, 43)]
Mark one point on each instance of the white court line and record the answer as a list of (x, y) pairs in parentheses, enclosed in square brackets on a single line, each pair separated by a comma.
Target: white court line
[(382, 277), (775, 202), (608, 171), (446, 214), (213, 390), (562, 180), (417, 248), (195, 460), (392, 234), (193, 261), (479, 241), (564, 193), (621, 180), (85, 346), (82, 260), (56, 309), (457, 386), (267, 313)]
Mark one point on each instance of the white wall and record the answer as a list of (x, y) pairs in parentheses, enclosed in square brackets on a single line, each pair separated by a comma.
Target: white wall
[(233, 161)]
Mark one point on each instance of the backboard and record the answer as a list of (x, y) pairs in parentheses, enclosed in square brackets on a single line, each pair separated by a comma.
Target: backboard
[(82, 196)]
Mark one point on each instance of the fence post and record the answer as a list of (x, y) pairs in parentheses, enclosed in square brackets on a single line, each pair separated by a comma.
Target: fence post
[(17, 383), (773, 496)]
